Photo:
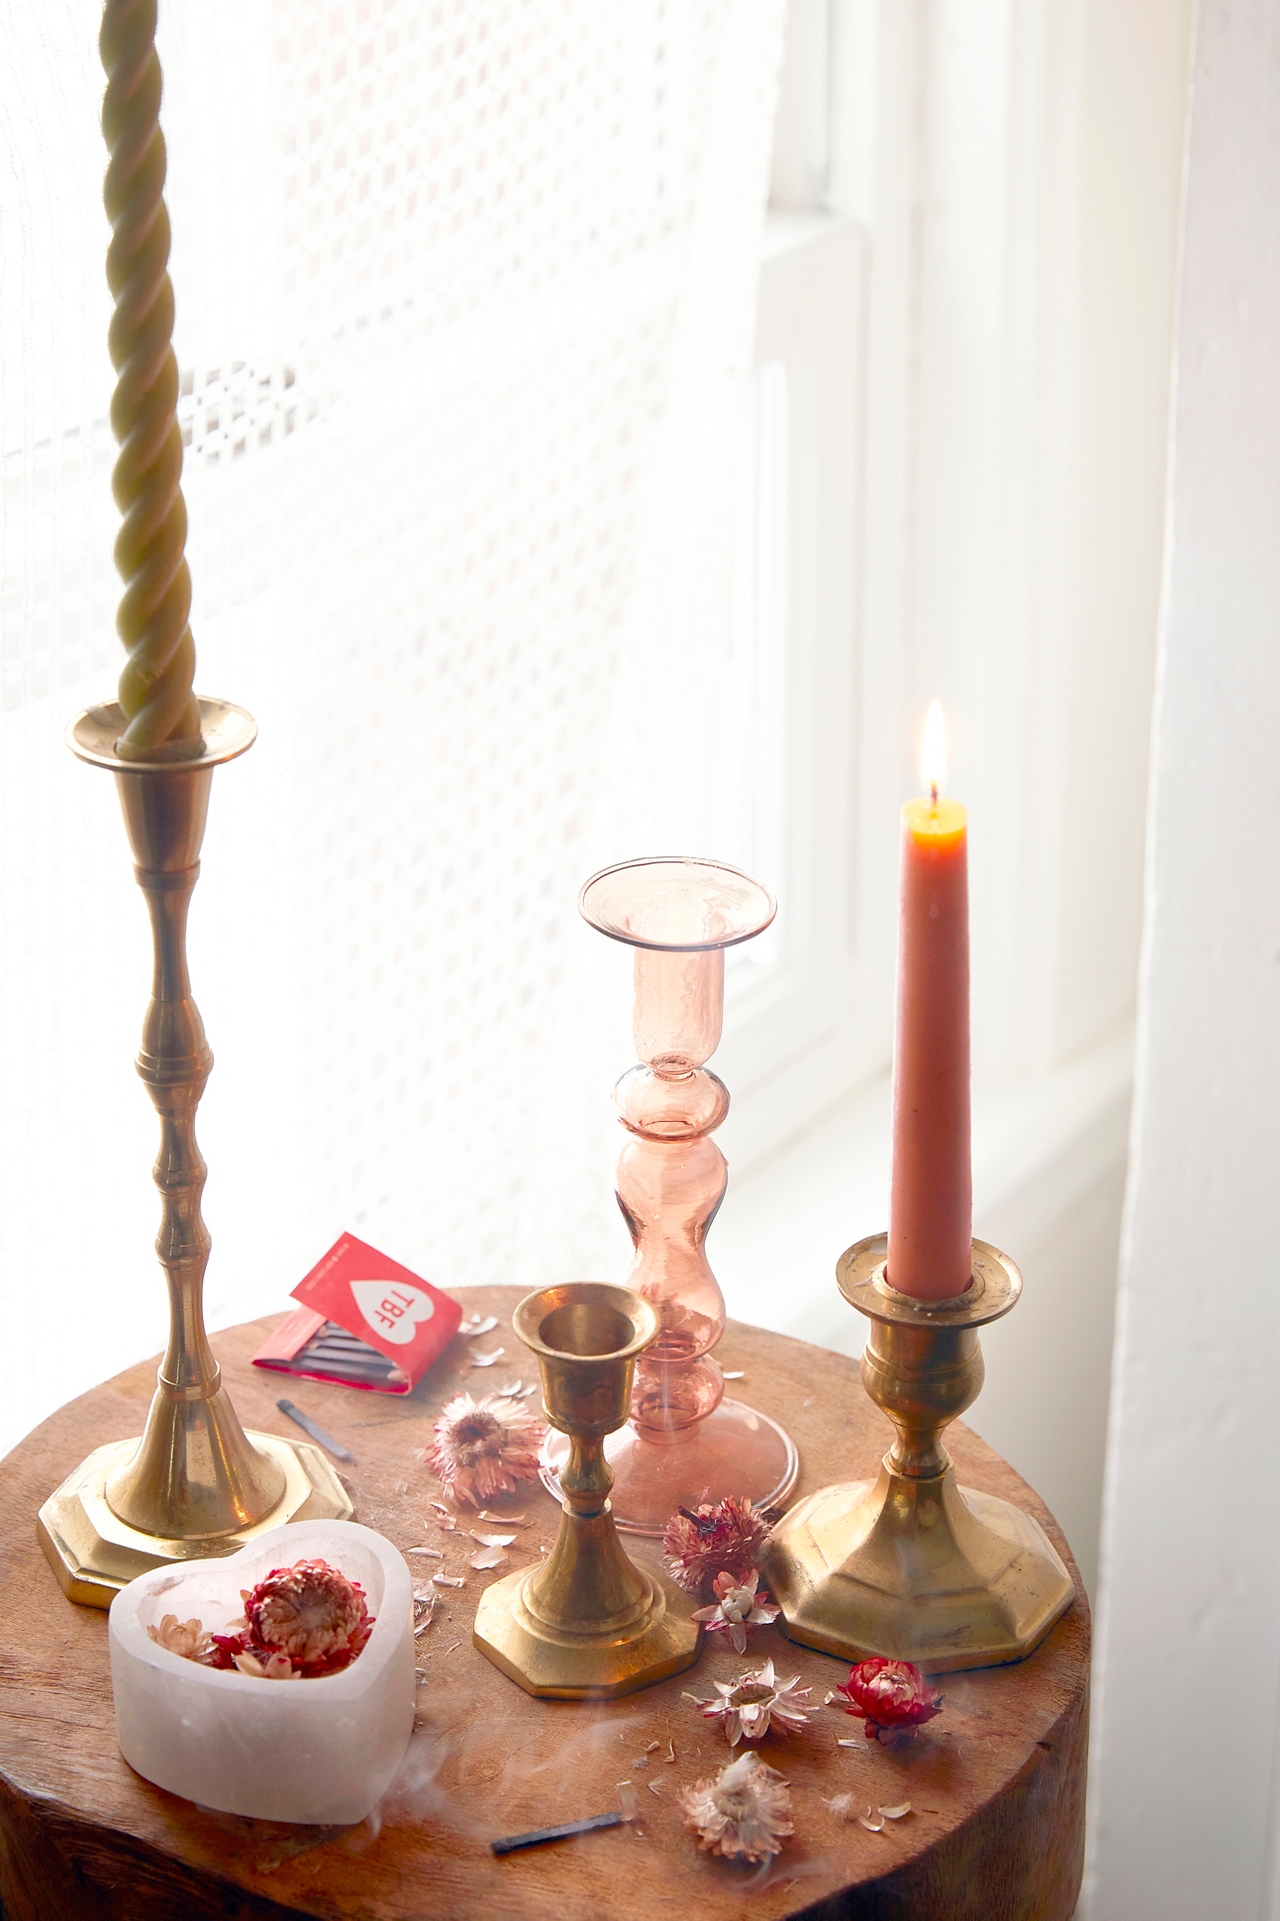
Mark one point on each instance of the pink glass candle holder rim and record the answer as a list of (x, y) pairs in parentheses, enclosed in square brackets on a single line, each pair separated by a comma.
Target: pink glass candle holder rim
[(676, 904)]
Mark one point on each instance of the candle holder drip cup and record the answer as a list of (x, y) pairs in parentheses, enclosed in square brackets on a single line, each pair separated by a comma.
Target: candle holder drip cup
[(910, 1565), (587, 1622), (685, 1443), (195, 1484)]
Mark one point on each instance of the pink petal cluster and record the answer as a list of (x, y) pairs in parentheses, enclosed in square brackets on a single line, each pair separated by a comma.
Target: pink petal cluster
[(890, 1697), (737, 1608), (746, 1707), (484, 1448), (300, 1623), (723, 1537), (745, 1811), (186, 1638)]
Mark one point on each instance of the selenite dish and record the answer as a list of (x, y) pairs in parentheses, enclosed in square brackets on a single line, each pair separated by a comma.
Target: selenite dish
[(322, 1750)]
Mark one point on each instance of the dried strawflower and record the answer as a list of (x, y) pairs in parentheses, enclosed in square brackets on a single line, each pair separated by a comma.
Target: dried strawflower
[(303, 1622), (737, 1607), (276, 1667), (485, 1448), (748, 1705), (722, 1537), (186, 1638), (744, 1812), (891, 1697)]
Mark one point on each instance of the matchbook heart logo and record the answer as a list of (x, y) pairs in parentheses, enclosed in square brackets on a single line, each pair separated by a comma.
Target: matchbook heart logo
[(393, 1309)]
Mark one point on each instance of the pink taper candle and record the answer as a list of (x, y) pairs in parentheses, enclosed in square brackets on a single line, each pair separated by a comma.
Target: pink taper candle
[(931, 1196)]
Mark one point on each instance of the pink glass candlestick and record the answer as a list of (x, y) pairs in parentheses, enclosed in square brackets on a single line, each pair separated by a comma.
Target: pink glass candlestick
[(684, 1443)]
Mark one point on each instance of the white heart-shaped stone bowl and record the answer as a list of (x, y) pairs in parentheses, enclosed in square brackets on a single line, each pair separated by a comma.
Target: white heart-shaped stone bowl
[(315, 1751)]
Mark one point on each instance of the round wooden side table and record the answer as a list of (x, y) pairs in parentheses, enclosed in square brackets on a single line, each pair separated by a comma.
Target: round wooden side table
[(996, 1783)]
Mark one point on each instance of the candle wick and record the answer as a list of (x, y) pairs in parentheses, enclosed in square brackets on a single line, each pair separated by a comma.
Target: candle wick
[(933, 796)]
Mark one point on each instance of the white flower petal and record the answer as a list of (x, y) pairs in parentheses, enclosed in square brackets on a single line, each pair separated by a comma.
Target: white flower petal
[(487, 1360), (477, 1326)]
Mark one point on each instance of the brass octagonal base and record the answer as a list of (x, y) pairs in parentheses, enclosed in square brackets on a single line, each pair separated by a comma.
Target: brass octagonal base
[(916, 1570), (554, 1662), (94, 1553), (910, 1566)]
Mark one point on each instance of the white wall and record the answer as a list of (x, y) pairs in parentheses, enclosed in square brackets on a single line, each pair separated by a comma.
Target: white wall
[(1185, 1770)]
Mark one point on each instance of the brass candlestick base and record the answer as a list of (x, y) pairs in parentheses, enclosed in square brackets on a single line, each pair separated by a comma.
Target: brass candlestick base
[(588, 1622), (194, 1485), (910, 1565)]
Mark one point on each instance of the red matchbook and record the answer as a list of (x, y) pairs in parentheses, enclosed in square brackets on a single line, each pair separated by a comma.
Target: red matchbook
[(364, 1321)]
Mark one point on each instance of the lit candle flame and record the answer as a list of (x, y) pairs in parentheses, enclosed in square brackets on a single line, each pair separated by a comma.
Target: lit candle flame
[(933, 754)]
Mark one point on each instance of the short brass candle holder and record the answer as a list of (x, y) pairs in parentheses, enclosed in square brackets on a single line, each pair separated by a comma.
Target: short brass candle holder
[(195, 1484), (910, 1565), (588, 1621)]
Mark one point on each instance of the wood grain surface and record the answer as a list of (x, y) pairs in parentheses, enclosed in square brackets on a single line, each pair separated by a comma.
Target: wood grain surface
[(996, 1783)]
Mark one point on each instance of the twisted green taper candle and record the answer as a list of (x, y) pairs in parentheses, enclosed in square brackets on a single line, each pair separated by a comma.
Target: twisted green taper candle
[(163, 720)]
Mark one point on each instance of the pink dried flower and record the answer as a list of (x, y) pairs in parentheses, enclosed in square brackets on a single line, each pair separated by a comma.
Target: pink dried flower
[(304, 1621), (891, 1697), (483, 1448), (745, 1811), (748, 1705), (276, 1667), (721, 1537), (186, 1638), (737, 1608)]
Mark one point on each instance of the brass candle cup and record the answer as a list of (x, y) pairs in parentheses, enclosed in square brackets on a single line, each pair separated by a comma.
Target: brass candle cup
[(587, 1622), (911, 1566), (195, 1484)]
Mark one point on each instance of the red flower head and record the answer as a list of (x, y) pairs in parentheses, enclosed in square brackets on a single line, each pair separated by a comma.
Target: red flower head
[(303, 1621), (890, 1697), (724, 1538)]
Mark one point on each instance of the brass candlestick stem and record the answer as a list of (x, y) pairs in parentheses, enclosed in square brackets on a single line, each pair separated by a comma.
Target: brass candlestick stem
[(588, 1621), (910, 1565), (195, 1484)]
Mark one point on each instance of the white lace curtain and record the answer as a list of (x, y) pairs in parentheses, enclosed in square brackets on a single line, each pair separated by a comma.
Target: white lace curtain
[(464, 304)]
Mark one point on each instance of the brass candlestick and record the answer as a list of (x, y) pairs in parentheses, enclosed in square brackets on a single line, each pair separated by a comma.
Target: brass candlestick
[(195, 1484), (910, 1565), (587, 1622)]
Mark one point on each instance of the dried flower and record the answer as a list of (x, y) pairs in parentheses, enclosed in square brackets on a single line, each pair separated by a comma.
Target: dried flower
[(484, 1448), (746, 1706), (721, 1537), (186, 1638), (303, 1621), (891, 1697), (745, 1811), (276, 1667), (737, 1608)]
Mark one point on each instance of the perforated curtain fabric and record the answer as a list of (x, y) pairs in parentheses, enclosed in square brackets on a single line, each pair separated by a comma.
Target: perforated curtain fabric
[(465, 294)]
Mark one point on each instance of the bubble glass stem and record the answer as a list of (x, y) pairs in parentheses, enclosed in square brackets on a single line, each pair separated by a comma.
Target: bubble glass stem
[(685, 1443)]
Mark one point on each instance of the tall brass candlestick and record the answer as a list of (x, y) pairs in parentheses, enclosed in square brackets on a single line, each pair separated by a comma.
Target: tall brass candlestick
[(195, 1484)]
